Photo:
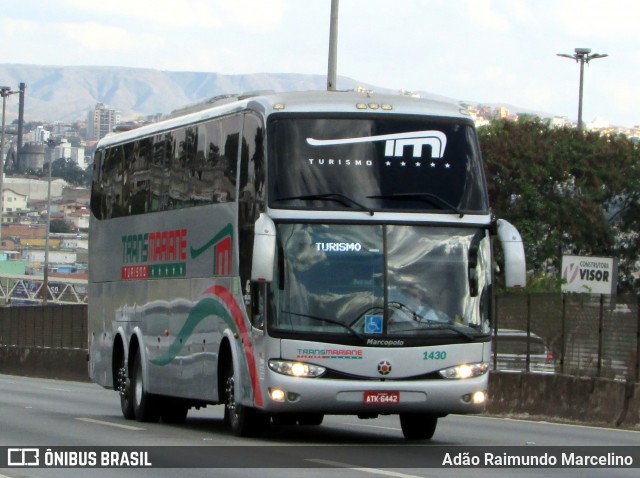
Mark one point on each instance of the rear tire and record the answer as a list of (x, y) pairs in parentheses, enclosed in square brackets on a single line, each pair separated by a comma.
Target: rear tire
[(123, 386), (418, 426), (145, 405), (244, 421)]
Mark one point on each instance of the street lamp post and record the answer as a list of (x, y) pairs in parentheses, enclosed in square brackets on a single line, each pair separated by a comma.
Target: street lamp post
[(51, 143), (4, 92), (582, 56), (333, 47)]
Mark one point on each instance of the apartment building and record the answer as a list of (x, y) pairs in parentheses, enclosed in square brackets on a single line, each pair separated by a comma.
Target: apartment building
[(101, 121)]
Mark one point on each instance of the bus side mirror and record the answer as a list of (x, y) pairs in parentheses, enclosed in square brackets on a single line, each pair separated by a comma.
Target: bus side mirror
[(264, 249), (514, 261)]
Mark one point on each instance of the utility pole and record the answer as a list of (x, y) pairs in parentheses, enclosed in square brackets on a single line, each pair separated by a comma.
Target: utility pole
[(51, 143), (582, 56), (4, 92), (333, 47)]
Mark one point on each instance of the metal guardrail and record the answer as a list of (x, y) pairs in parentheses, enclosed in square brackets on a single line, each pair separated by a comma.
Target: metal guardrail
[(49, 326), (588, 334), (18, 289)]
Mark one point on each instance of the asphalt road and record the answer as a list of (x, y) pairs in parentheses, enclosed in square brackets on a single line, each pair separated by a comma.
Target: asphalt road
[(47, 414)]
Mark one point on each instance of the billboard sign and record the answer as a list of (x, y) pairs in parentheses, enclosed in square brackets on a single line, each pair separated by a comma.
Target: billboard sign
[(589, 275)]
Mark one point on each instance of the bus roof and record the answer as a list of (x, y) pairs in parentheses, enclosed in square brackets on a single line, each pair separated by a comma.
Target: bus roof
[(296, 102)]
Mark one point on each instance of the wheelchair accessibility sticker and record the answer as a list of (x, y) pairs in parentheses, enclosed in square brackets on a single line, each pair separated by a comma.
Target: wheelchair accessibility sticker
[(372, 324)]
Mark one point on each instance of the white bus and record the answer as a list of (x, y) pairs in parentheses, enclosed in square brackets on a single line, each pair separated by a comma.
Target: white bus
[(295, 255)]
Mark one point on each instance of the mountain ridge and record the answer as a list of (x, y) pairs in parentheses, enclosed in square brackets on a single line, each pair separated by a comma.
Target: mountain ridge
[(68, 93)]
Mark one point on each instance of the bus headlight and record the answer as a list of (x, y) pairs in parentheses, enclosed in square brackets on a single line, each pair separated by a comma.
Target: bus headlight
[(296, 369), (467, 370)]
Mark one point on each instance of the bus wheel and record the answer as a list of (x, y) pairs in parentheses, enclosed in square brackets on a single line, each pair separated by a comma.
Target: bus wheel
[(418, 426), (144, 404), (123, 386), (244, 421)]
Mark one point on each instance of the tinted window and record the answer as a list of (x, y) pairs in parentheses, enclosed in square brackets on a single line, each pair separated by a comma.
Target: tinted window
[(377, 281), (180, 168), (385, 163)]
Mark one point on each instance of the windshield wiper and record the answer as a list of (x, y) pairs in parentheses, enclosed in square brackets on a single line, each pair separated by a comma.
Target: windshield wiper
[(432, 323), (341, 198), (431, 198), (328, 321), (454, 329), (417, 317)]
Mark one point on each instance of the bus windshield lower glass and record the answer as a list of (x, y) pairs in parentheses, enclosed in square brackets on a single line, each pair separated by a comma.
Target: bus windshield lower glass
[(383, 163), (371, 283)]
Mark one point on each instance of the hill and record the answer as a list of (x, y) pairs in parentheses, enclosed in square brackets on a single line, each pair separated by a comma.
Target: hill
[(67, 93)]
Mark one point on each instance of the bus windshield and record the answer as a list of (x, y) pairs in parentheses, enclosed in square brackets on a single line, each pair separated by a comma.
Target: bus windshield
[(332, 283), (375, 164)]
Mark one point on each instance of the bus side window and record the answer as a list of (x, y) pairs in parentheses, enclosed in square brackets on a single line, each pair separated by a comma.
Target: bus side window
[(177, 171), (97, 190), (158, 168), (213, 178), (258, 297), (127, 177), (117, 181), (251, 188), (224, 181), (140, 176)]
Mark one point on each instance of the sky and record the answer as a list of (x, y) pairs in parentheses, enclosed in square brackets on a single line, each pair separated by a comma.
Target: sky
[(482, 51)]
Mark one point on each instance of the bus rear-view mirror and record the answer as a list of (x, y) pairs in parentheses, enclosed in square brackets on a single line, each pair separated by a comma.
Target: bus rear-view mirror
[(515, 268), (264, 249)]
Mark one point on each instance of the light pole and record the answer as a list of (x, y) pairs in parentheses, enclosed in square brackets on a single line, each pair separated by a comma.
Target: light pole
[(582, 56), (51, 143), (333, 47), (4, 92)]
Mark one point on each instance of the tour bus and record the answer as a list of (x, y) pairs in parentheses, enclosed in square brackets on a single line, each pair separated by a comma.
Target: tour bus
[(295, 255)]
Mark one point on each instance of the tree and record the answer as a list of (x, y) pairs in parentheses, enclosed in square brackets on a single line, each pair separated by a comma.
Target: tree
[(69, 170), (60, 226), (567, 191)]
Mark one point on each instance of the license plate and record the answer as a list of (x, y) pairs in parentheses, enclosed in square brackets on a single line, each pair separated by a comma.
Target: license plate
[(381, 398)]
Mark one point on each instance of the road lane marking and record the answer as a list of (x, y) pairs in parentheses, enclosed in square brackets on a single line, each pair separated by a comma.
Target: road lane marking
[(56, 389), (373, 471), (109, 424), (371, 426)]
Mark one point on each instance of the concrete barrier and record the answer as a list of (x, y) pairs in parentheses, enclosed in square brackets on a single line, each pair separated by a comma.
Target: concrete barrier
[(631, 416), (586, 400), (61, 364)]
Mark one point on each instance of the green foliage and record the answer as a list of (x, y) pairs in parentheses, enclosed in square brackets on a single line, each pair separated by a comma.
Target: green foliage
[(567, 191), (541, 282), (68, 170), (60, 226)]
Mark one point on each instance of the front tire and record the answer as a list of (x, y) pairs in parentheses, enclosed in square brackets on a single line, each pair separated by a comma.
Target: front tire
[(418, 426), (244, 421)]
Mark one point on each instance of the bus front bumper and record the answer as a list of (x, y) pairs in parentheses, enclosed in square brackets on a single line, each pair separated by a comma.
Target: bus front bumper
[(285, 394)]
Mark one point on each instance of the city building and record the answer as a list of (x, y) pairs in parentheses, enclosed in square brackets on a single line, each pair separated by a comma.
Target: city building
[(13, 203), (101, 121), (65, 150)]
